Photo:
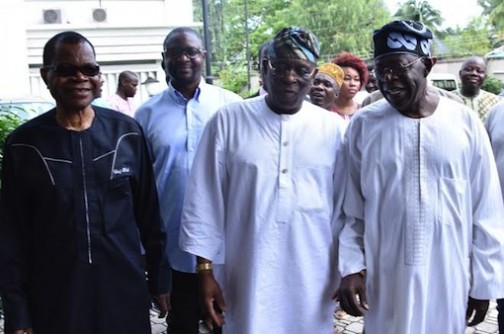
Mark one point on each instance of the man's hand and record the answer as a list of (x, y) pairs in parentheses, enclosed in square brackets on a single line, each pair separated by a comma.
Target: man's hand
[(476, 309), (213, 301), (22, 331), (164, 304), (350, 287)]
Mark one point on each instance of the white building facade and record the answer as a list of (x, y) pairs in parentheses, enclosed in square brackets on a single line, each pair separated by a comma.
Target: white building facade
[(126, 34)]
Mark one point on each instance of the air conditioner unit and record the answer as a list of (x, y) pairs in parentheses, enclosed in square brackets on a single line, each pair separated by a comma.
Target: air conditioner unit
[(99, 15), (51, 16)]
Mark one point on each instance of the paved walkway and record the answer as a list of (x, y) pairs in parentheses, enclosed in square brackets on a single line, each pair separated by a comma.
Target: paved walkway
[(349, 325), (354, 325)]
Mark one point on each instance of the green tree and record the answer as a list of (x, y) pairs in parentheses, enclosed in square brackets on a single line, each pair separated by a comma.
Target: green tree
[(472, 40), (234, 78), (421, 10), (494, 9), (343, 25)]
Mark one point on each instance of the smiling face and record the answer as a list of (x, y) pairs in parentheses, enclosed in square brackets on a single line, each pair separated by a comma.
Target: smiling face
[(288, 80), (324, 91), (351, 83), (472, 75), (402, 86), (183, 58), (75, 92)]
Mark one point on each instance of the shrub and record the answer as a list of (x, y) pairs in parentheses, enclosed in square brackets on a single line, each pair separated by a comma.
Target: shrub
[(492, 85), (9, 120), (234, 78)]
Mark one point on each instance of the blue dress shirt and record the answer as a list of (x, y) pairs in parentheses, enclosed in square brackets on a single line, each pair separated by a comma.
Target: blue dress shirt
[(173, 126)]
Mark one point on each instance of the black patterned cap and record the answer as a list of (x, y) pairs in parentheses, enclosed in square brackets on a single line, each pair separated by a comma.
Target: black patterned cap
[(402, 37), (295, 43)]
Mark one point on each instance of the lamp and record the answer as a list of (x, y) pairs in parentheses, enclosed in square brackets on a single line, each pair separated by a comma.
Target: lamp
[(152, 86)]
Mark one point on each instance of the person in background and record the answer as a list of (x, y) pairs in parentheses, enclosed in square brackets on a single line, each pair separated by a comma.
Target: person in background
[(123, 99), (99, 101), (356, 76), (78, 191), (422, 242), (263, 54), (173, 121), (323, 93), (265, 184), (326, 86), (472, 75), (494, 124), (368, 88), (371, 84)]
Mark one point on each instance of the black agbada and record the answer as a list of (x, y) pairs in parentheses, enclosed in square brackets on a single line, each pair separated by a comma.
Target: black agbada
[(73, 207)]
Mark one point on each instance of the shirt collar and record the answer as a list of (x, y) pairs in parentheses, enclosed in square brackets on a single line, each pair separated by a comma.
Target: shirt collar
[(179, 98)]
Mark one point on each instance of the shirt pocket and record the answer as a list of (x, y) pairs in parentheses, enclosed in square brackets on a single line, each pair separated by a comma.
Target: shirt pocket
[(452, 199), (118, 204), (313, 186)]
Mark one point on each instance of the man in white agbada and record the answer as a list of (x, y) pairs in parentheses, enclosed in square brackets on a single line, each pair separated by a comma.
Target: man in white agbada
[(423, 239), (264, 184), (494, 124)]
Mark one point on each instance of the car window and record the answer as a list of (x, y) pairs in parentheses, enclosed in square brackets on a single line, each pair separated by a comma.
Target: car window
[(26, 110)]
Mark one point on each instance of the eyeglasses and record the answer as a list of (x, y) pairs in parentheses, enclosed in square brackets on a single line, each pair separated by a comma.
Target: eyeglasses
[(393, 69), (67, 70), (188, 52), (282, 70)]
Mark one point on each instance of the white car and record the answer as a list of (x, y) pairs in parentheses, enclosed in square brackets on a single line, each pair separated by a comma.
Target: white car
[(26, 107), (446, 81)]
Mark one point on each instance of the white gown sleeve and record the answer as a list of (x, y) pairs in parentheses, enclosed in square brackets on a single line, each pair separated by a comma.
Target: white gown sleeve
[(351, 239), (487, 253), (203, 214)]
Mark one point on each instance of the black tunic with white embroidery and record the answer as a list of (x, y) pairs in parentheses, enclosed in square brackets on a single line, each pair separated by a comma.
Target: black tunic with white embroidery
[(74, 206)]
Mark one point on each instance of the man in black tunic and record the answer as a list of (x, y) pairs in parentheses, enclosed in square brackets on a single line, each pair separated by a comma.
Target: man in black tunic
[(78, 193)]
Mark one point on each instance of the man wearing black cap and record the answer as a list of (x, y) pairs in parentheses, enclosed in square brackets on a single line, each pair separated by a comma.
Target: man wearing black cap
[(265, 185), (422, 243)]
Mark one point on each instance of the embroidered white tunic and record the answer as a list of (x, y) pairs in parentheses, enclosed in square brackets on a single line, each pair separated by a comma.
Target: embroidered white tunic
[(265, 186), (494, 124), (425, 217)]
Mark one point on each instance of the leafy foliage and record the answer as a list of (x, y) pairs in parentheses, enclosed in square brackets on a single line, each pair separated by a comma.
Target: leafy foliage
[(9, 120), (492, 85), (342, 25), (421, 11), (475, 39), (494, 9), (234, 78)]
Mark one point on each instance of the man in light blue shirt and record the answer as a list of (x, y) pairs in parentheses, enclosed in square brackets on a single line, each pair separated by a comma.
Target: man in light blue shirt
[(173, 122)]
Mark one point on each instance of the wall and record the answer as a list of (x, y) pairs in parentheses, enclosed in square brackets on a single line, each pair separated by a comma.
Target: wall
[(13, 81), (495, 67), (130, 38)]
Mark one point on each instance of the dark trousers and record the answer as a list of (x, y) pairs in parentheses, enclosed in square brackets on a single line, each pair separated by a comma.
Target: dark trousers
[(500, 318), (185, 311)]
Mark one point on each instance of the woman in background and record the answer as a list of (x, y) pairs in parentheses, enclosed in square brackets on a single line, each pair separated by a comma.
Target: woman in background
[(356, 76)]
